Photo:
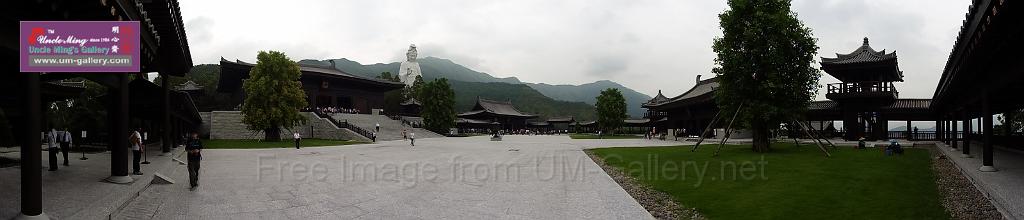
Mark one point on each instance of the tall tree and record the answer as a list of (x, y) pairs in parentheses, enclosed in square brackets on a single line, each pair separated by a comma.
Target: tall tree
[(764, 65), (438, 101), (611, 109), (416, 88), (273, 95), (392, 99)]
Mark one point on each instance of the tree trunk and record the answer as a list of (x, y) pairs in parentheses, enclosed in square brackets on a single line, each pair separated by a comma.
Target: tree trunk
[(272, 134), (761, 137)]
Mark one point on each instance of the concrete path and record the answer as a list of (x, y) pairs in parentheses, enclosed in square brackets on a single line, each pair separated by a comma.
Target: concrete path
[(522, 177), (1005, 187), (78, 191)]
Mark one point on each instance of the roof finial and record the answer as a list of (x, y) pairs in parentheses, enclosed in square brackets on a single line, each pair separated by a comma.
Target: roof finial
[(865, 40)]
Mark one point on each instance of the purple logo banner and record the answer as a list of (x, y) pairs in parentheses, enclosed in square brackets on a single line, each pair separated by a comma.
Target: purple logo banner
[(80, 46)]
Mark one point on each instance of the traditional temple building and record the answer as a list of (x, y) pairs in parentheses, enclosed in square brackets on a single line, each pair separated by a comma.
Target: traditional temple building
[(504, 113), (686, 114), (983, 76), (561, 123), (411, 107), (866, 98), (324, 86)]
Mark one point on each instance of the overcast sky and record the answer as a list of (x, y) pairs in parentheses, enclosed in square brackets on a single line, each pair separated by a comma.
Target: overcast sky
[(646, 45)]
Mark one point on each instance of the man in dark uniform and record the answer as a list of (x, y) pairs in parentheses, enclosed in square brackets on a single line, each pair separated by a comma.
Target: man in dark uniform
[(194, 149)]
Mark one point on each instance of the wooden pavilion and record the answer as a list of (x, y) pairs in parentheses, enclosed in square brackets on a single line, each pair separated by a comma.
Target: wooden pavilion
[(866, 99)]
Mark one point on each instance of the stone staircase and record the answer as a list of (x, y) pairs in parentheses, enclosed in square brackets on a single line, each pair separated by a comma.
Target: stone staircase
[(228, 125), (389, 129)]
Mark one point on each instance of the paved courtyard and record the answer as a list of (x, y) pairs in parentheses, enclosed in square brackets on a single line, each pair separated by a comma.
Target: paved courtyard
[(522, 177)]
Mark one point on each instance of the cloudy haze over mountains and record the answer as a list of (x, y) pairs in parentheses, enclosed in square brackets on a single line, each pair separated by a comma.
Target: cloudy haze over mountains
[(644, 45)]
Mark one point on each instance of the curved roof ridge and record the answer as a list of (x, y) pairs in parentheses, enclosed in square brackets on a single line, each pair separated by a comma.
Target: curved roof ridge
[(864, 53), (320, 69)]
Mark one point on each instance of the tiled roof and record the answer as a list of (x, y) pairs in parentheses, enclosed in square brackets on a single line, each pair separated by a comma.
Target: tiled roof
[(657, 99), (863, 54), (704, 87), (898, 104), (188, 86), (823, 105), (538, 123), (496, 107), (636, 121), (561, 119), (470, 121), (309, 68), (910, 104)]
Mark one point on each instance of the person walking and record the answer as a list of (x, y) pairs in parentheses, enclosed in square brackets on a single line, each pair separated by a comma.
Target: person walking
[(298, 138), (65, 145), (378, 126), (412, 138), (137, 150), (404, 134), (194, 148), (52, 147), (374, 137)]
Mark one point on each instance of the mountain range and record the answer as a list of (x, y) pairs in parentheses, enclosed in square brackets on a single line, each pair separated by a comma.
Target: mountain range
[(433, 68)]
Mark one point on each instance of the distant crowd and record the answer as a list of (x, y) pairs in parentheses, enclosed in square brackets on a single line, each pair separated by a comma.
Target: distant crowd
[(332, 110)]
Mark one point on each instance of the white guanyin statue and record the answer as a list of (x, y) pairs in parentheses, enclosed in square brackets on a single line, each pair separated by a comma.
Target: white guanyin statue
[(410, 68)]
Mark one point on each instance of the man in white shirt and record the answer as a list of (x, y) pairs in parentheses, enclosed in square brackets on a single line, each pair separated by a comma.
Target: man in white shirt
[(298, 138), (137, 149), (378, 127), (52, 147), (412, 138), (65, 144)]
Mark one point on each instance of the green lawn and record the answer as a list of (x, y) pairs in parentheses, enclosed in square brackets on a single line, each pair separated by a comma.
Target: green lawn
[(788, 183), (254, 144), (594, 136)]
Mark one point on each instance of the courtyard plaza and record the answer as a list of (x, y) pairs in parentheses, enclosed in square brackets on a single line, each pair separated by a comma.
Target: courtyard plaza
[(521, 177)]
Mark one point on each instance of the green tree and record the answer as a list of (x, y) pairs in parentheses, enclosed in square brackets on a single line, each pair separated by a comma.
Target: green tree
[(764, 65), (416, 88), (273, 95), (1010, 122), (438, 101), (611, 109), (389, 77), (393, 99)]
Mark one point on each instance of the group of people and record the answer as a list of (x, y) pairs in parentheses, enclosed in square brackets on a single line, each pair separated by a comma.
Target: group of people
[(58, 142), (409, 135), (332, 110)]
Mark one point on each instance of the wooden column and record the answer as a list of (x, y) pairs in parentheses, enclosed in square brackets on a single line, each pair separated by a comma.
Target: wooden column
[(910, 130), (967, 134), (952, 128), (119, 151), (938, 130), (31, 155), (986, 151), (166, 114)]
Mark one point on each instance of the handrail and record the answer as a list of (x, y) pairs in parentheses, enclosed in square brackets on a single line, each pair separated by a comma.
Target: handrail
[(345, 125), (866, 86)]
